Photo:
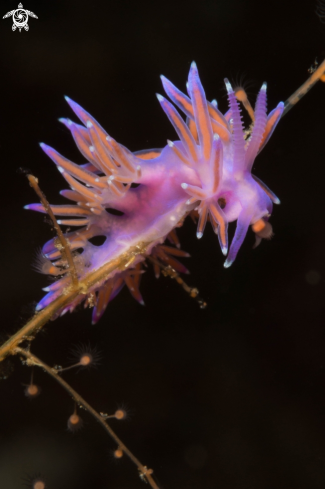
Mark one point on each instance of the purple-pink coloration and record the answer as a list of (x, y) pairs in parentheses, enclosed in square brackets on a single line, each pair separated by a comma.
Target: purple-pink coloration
[(207, 171)]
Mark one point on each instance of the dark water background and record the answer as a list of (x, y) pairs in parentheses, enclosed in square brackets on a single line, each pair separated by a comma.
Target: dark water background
[(231, 397)]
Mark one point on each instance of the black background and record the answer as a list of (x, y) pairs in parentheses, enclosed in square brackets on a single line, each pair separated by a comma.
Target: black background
[(230, 397)]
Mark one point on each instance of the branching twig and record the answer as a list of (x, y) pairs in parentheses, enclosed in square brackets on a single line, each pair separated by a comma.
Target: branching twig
[(169, 271), (64, 244), (69, 294), (32, 360)]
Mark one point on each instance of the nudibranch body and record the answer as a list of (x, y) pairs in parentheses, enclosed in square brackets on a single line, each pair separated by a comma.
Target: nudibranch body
[(208, 169)]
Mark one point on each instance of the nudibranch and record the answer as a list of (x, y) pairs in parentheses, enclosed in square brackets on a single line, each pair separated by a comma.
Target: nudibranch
[(127, 198)]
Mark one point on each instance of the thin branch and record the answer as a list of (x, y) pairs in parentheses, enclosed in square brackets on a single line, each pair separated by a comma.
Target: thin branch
[(65, 246), (122, 262), (32, 360), (169, 271), (304, 88)]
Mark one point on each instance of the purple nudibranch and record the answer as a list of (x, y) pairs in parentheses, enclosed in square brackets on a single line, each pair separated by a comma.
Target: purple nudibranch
[(207, 171)]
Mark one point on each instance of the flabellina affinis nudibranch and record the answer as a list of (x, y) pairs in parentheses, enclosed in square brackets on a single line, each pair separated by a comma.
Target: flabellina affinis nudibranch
[(128, 198)]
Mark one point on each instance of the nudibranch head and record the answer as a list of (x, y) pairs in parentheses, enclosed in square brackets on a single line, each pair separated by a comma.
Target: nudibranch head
[(217, 148)]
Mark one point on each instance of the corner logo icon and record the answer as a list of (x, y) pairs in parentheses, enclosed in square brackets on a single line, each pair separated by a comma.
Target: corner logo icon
[(20, 18)]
